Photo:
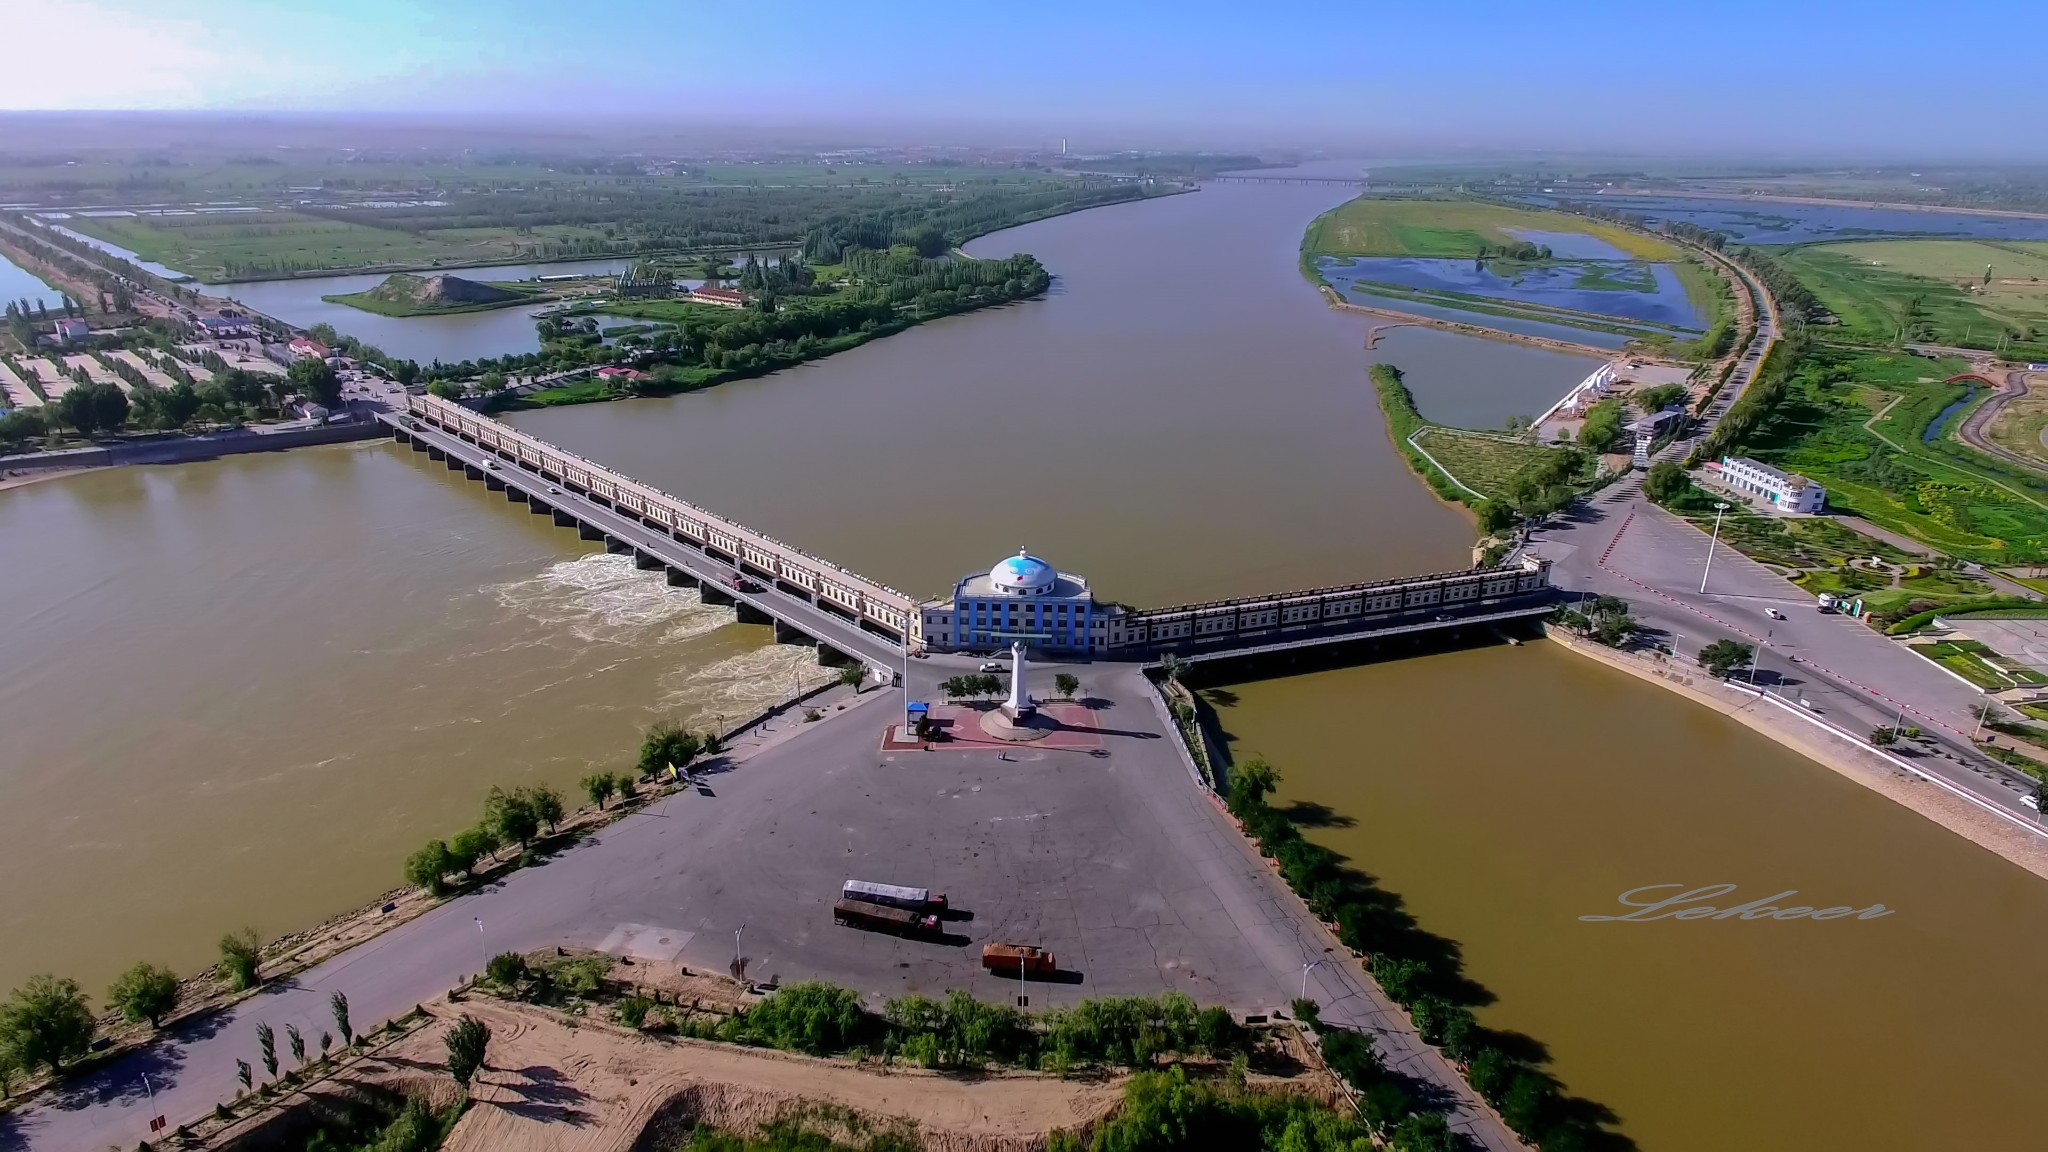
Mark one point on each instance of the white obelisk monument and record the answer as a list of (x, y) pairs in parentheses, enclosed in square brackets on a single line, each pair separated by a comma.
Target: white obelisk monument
[(1019, 704)]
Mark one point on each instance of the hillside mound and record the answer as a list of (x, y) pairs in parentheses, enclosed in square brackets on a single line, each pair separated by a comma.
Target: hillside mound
[(438, 291)]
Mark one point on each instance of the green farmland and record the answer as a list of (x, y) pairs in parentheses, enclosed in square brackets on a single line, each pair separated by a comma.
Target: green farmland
[(221, 246), (1486, 462), (1454, 229), (1934, 291)]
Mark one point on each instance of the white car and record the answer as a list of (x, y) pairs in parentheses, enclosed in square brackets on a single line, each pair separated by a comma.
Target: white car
[(992, 666), (1774, 614)]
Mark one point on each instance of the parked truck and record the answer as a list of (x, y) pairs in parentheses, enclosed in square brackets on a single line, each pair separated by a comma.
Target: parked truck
[(1008, 959), (894, 895), (883, 918)]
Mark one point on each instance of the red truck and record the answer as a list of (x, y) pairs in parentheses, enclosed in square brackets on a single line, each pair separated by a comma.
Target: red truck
[(1018, 959), (883, 918)]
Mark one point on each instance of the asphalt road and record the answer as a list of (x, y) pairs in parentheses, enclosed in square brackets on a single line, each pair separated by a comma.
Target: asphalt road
[(1113, 858), (1844, 671)]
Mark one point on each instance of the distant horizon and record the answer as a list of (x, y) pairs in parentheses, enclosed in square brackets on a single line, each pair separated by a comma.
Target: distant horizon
[(1744, 81), (532, 133)]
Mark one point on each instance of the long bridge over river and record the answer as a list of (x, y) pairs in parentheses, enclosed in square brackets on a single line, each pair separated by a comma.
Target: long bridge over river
[(811, 600)]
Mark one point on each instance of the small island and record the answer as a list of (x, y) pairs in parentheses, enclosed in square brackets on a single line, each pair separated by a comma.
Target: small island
[(404, 294)]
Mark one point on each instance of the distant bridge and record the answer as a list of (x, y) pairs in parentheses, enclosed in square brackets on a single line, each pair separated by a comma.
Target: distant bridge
[(848, 616), (1351, 180)]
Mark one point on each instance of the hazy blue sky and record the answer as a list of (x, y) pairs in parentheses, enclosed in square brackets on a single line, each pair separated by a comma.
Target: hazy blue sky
[(1798, 77)]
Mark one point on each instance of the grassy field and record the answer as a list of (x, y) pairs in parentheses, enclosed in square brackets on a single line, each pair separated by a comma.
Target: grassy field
[(216, 246), (1453, 228), (1486, 463), (1931, 290), (370, 301), (1856, 422)]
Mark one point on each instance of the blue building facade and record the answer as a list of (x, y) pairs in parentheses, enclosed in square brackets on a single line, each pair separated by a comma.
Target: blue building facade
[(1021, 598)]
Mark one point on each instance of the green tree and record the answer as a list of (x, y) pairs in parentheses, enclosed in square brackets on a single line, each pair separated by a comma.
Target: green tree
[(337, 1004), (426, 867), (511, 815), (1425, 1132), (469, 1045), (472, 846), (10, 1066), (2041, 800), (1666, 482), (547, 804), (664, 747), (1660, 397), (1724, 656), (145, 992), (1497, 516), (46, 1022), (445, 389), (1066, 684), (1250, 783), (853, 676), (316, 380), (506, 969), (109, 405), (1884, 737), (599, 787), (77, 409), (266, 1044), (240, 958), (297, 1043), (245, 1074)]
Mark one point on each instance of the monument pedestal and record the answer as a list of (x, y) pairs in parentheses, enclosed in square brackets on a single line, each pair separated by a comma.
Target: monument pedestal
[(1001, 725)]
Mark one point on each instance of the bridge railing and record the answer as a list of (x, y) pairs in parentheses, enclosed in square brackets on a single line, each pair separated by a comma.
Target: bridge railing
[(877, 602), (1320, 607)]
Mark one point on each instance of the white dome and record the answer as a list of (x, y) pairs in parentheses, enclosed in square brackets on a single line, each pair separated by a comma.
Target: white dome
[(1023, 575)]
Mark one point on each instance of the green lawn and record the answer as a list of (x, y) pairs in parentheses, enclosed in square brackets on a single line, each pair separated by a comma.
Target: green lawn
[(1931, 290), (1940, 492), (1485, 462), (1454, 228), (1964, 658)]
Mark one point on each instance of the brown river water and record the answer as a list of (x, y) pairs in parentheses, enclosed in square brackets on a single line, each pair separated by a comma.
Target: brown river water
[(239, 692)]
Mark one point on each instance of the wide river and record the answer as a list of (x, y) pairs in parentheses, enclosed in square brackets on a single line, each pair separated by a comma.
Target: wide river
[(239, 691)]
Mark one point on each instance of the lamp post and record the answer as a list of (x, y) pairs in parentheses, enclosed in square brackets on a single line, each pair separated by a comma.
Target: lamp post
[(736, 949), (1719, 508), (1305, 970)]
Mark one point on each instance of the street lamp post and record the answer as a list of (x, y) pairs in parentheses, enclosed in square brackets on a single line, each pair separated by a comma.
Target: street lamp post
[(736, 949), (1305, 970), (1719, 508), (1982, 714)]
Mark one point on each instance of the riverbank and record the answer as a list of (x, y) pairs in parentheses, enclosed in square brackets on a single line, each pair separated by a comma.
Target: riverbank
[(1840, 753), (206, 993), (1339, 304), (696, 378), (177, 449)]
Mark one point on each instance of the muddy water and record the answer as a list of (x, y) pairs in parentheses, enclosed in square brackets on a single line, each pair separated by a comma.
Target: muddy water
[(1181, 417), (241, 691), (1506, 793)]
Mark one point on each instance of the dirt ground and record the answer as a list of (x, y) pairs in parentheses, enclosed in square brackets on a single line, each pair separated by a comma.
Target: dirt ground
[(553, 1087), (2019, 425)]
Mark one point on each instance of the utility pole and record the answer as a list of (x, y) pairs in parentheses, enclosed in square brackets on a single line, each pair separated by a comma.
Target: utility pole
[(1982, 714), (1720, 507)]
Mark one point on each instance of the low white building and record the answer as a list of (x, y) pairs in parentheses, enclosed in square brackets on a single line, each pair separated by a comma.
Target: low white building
[(1787, 490)]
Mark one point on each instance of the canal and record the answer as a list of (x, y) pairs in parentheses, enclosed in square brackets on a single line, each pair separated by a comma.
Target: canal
[(255, 684)]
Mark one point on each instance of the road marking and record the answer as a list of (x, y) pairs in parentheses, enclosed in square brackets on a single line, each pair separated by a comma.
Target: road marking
[(1741, 631)]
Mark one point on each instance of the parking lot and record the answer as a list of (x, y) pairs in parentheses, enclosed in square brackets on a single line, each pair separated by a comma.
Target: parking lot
[(1109, 857)]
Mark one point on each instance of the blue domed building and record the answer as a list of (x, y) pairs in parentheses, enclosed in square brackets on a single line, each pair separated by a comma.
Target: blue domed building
[(1021, 598)]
